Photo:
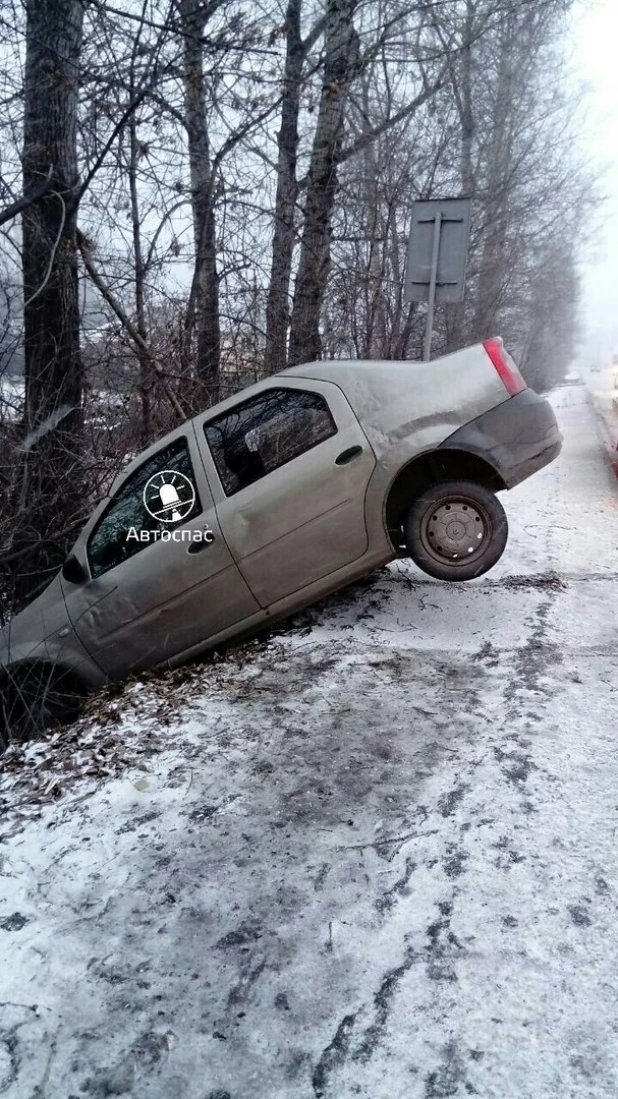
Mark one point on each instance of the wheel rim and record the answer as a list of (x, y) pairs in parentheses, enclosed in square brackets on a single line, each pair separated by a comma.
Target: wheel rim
[(456, 531)]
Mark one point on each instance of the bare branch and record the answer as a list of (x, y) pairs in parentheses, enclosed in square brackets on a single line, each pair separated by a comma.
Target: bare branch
[(30, 197)]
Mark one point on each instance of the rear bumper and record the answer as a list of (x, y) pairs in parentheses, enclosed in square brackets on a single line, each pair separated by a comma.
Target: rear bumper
[(517, 438)]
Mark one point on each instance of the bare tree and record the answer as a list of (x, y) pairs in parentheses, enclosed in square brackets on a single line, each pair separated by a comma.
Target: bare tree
[(50, 491), (501, 131), (204, 304), (343, 64), (298, 50)]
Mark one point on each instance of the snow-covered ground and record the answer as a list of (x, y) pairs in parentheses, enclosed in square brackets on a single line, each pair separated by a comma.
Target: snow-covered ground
[(605, 397), (373, 857)]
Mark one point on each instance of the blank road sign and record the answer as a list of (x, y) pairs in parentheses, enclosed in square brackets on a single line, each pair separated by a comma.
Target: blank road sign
[(454, 231)]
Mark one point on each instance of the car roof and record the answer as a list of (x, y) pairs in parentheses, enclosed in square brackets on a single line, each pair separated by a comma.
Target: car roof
[(324, 368), (354, 376)]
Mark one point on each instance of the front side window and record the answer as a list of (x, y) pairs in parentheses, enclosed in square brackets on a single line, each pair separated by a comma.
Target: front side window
[(160, 495), (262, 434)]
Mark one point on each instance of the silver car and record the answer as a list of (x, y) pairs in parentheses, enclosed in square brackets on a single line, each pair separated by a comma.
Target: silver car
[(277, 496)]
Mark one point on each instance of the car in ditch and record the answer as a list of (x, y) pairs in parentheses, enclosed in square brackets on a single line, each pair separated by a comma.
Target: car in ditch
[(277, 496)]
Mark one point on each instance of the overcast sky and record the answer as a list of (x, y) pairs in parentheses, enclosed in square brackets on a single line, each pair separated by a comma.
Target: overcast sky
[(595, 60)]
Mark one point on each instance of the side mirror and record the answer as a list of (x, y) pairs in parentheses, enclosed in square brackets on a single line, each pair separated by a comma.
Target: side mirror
[(73, 571)]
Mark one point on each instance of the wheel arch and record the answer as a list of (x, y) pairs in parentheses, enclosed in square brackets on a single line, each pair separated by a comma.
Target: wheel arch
[(447, 464), (25, 682)]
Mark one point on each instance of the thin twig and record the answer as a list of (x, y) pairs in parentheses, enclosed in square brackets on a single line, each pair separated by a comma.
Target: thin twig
[(53, 252)]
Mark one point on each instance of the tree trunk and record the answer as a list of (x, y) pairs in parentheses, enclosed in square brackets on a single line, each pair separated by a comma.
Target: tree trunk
[(206, 276), (277, 306), (145, 373), (493, 261), (375, 241), (50, 490), (461, 77), (340, 66)]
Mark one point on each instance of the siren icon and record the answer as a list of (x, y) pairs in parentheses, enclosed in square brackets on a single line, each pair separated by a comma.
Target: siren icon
[(170, 499), (169, 496)]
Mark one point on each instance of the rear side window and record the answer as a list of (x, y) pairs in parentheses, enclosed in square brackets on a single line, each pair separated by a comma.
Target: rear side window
[(262, 434), (160, 495)]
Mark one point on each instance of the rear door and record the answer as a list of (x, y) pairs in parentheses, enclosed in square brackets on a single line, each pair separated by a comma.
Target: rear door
[(289, 470), (161, 577)]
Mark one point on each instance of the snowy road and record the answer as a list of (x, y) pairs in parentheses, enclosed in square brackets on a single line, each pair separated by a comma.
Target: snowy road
[(378, 859)]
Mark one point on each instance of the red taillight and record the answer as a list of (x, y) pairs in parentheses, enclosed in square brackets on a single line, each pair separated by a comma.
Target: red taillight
[(509, 374)]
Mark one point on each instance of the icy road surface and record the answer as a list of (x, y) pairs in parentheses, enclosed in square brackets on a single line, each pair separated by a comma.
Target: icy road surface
[(377, 860)]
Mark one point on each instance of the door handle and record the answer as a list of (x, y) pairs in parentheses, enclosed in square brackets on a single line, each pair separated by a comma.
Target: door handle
[(198, 546), (348, 455)]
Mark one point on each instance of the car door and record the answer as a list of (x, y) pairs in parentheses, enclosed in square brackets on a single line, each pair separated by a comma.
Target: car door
[(160, 577), (289, 470)]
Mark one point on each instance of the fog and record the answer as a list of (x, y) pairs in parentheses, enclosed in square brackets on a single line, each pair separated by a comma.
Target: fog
[(595, 31)]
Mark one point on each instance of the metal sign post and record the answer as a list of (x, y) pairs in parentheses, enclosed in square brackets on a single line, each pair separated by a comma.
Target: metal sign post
[(433, 278), (437, 256)]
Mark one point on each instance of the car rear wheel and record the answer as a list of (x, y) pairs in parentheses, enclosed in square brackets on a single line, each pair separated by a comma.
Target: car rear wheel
[(456, 530)]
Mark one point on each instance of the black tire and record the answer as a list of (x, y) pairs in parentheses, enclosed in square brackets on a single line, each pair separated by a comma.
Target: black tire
[(460, 546)]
